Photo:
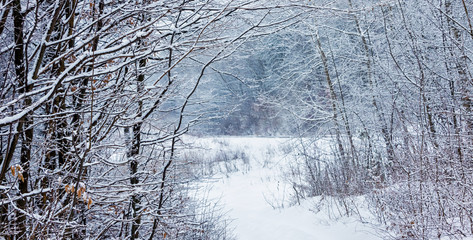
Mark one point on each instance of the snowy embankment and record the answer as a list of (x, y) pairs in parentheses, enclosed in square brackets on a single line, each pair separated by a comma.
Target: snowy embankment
[(250, 184)]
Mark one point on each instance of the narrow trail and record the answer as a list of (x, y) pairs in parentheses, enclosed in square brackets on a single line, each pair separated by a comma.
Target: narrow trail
[(256, 199)]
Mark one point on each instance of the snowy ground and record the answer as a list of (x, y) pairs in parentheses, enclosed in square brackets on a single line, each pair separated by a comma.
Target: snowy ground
[(257, 198)]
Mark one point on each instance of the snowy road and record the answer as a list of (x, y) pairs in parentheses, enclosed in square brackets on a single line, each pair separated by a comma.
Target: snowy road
[(249, 197)]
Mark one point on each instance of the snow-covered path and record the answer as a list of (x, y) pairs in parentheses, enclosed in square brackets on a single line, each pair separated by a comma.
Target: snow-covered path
[(253, 198)]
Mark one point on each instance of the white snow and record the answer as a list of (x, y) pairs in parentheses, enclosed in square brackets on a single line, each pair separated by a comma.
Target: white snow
[(257, 198), (140, 34)]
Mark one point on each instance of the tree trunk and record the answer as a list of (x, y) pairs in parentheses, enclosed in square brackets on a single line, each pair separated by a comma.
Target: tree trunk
[(333, 97), (25, 129), (133, 155)]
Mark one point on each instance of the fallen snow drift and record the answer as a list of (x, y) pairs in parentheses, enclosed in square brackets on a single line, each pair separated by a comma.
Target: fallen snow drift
[(258, 199)]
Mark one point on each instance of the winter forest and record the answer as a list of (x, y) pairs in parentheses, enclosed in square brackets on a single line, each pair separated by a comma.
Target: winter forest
[(160, 119)]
